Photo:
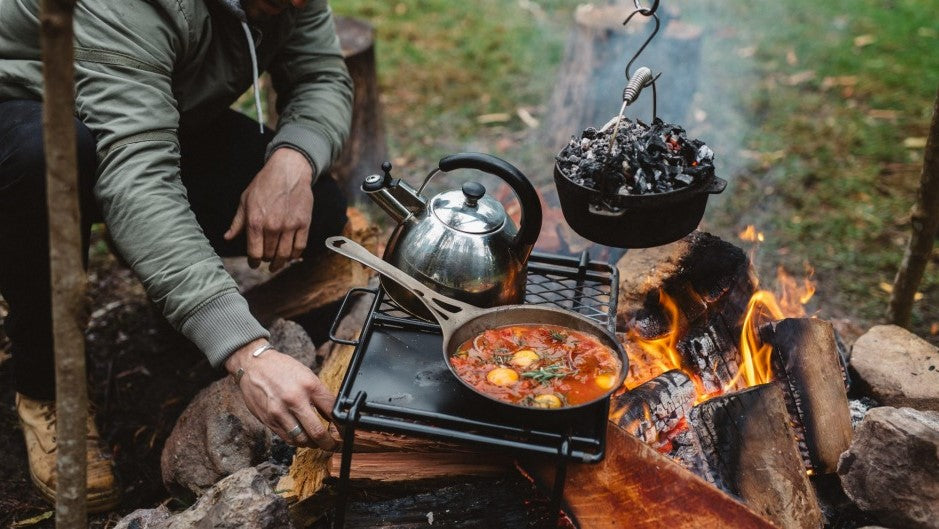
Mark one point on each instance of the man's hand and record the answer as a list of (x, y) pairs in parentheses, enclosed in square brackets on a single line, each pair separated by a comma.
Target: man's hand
[(283, 394), (276, 208)]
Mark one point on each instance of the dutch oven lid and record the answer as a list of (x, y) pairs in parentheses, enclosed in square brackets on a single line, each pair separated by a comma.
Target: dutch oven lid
[(469, 210)]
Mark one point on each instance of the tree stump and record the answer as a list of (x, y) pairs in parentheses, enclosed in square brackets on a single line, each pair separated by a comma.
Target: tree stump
[(366, 148), (589, 89)]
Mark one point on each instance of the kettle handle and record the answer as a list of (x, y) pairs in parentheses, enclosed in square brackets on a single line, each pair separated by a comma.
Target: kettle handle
[(530, 222)]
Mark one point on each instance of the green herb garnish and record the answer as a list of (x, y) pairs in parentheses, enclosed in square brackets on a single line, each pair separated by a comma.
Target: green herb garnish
[(548, 373), (558, 336)]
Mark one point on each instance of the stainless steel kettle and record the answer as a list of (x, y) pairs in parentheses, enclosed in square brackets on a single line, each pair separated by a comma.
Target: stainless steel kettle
[(460, 243)]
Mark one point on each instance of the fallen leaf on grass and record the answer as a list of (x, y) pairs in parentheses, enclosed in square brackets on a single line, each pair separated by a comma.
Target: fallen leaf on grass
[(801, 77), (838, 80), (34, 520), (527, 118), (791, 58), (499, 117), (914, 143), (934, 328), (879, 113), (864, 40)]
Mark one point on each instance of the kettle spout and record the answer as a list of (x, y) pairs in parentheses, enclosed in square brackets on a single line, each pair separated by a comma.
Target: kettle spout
[(394, 195)]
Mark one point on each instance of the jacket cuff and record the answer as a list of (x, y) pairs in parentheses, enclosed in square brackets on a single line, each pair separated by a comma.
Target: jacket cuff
[(310, 143), (221, 326)]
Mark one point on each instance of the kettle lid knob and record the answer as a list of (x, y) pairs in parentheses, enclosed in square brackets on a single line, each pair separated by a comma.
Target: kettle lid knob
[(473, 191)]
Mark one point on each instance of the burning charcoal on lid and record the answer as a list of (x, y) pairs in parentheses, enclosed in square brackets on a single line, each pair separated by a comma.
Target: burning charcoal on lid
[(644, 159)]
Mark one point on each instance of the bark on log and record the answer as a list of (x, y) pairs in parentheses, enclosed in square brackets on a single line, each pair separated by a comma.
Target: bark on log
[(807, 370), (925, 226), (366, 148), (591, 77), (636, 487), (65, 259), (654, 407), (309, 285), (749, 444)]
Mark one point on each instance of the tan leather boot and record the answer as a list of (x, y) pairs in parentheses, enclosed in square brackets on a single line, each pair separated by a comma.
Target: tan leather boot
[(37, 418)]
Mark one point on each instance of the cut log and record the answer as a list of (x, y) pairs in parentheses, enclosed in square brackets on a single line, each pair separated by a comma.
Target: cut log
[(636, 487), (748, 442), (414, 467), (807, 369), (366, 148), (592, 74), (307, 285)]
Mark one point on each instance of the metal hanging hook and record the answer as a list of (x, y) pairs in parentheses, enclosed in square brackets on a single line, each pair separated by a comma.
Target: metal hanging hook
[(647, 13)]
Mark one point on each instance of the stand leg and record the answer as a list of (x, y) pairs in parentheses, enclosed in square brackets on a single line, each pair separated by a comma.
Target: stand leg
[(560, 476), (345, 467)]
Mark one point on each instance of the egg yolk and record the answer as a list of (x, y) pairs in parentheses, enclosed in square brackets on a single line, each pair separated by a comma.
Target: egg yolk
[(502, 376), (524, 358), (547, 401), (605, 381)]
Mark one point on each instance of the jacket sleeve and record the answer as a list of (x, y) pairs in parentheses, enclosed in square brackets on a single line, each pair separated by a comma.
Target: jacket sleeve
[(124, 95), (310, 76)]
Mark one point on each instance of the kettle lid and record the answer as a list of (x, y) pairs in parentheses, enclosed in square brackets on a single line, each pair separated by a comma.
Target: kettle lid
[(469, 210)]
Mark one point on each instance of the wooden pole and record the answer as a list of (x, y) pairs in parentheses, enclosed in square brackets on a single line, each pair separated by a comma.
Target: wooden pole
[(67, 272), (925, 224)]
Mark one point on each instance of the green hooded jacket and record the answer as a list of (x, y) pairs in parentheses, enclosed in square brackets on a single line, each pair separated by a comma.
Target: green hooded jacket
[(144, 65)]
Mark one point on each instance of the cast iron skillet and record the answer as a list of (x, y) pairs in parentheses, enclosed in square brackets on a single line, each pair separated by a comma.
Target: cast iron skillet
[(460, 321)]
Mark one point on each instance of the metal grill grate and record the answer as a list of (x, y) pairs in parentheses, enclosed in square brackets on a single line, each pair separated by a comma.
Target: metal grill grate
[(580, 285)]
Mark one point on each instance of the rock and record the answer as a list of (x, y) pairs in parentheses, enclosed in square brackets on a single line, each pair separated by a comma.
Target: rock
[(897, 368), (215, 436), (244, 500), (290, 338), (891, 470), (144, 519)]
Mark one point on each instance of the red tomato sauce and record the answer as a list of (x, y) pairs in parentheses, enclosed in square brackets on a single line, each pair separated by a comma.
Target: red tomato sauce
[(541, 366)]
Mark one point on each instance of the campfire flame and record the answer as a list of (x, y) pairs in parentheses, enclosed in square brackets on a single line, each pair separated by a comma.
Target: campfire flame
[(755, 356)]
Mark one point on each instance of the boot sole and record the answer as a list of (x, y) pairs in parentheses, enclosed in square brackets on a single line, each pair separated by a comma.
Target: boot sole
[(95, 503)]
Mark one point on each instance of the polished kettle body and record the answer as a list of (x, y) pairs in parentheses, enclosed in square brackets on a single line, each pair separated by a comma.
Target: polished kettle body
[(460, 243)]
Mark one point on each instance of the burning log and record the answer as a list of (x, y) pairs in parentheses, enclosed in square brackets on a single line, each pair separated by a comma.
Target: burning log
[(637, 487), (366, 148), (807, 369), (683, 303), (658, 405), (748, 442), (590, 80)]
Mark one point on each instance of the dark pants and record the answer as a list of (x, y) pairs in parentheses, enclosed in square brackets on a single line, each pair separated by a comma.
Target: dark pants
[(218, 161)]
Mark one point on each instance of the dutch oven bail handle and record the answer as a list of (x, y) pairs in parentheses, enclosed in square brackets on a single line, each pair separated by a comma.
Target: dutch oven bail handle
[(530, 222)]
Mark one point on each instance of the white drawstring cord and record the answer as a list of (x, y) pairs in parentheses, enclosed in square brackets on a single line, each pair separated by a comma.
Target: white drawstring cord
[(254, 72)]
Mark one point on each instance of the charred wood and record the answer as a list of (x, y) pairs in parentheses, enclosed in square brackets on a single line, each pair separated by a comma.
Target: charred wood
[(807, 368), (748, 442), (654, 407)]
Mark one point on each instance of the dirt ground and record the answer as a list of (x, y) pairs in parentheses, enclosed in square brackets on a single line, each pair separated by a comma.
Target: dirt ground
[(142, 376)]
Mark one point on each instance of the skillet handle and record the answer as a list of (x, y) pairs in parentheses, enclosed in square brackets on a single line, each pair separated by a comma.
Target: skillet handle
[(444, 309)]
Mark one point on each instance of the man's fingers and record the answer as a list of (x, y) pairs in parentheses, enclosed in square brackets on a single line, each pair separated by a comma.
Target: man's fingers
[(284, 251), (314, 427), (299, 242), (255, 243), (237, 224), (271, 239), (323, 400)]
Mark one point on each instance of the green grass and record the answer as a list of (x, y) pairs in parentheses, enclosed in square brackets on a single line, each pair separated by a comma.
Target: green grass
[(807, 105)]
